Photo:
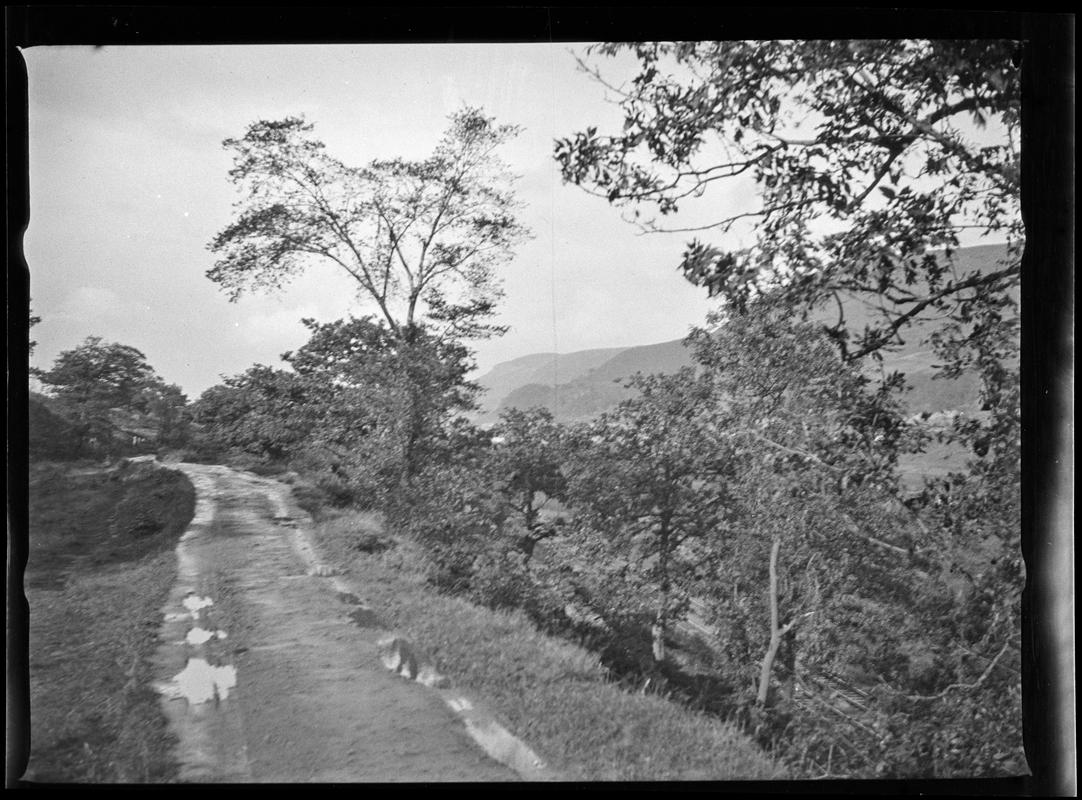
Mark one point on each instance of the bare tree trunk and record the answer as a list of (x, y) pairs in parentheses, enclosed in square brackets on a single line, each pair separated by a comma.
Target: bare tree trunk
[(775, 631)]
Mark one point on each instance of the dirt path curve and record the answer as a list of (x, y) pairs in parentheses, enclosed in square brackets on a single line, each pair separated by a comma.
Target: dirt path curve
[(264, 674)]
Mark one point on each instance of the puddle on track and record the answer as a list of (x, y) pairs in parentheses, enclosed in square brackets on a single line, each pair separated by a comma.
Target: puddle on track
[(199, 682), (198, 636), (194, 603)]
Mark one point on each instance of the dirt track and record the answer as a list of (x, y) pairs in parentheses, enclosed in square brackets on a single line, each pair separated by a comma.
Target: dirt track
[(265, 674)]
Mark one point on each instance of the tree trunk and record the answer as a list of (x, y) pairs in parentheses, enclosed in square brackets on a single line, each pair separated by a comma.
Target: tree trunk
[(415, 424), (411, 413), (531, 538), (657, 631), (775, 630)]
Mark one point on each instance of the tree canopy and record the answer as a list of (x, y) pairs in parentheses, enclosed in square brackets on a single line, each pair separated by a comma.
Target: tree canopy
[(870, 164), (421, 239), (651, 477), (265, 412), (869, 158), (400, 393), (105, 387)]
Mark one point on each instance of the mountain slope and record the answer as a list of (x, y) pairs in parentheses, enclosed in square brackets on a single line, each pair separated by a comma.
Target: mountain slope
[(580, 385), (588, 381), (542, 369)]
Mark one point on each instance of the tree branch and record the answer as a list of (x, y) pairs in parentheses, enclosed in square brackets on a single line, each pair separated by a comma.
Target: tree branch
[(885, 335), (792, 450), (953, 686)]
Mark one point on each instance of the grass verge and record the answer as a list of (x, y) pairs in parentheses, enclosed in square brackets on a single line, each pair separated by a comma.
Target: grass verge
[(100, 566), (552, 694)]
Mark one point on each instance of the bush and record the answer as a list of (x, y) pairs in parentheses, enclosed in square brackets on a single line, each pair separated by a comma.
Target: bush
[(500, 580), (135, 516), (339, 491), (371, 543), (154, 499), (310, 497), (201, 450), (50, 435)]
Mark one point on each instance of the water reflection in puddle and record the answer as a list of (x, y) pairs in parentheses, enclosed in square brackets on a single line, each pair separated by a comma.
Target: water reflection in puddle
[(194, 603), (199, 682), (197, 636)]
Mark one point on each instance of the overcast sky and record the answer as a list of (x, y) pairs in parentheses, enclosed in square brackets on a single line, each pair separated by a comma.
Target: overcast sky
[(128, 184)]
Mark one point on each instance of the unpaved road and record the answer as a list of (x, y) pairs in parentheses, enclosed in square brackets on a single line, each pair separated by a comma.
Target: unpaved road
[(265, 674)]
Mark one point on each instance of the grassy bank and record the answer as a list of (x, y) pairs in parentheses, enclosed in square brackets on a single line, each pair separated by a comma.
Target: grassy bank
[(552, 694), (101, 563)]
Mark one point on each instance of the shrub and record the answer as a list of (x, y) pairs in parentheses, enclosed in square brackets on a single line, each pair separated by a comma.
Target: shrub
[(371, 542), (339, 491), (50, 435)]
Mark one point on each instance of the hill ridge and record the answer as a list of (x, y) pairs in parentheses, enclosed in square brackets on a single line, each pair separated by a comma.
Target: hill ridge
[(581, 384)]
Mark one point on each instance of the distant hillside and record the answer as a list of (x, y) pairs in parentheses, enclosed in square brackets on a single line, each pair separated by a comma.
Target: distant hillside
[(540, 370), (663, 357), (581, 385)]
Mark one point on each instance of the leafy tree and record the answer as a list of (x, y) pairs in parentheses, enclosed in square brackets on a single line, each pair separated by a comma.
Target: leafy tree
[(813, 451), (97, 381), (527, 463), (415, 236), (264, 412), (915, 598), (869, 159), (167, 405), (421, 239), (396, 393), (650, 478), (867, 134)]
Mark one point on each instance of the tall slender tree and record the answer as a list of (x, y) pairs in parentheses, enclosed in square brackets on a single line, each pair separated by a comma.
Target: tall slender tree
[(422, 240)]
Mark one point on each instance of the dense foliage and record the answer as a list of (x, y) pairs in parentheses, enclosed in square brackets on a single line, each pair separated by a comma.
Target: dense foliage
[(869, 160), (868, 135), (263, 412), (112, 399), (650, 478)]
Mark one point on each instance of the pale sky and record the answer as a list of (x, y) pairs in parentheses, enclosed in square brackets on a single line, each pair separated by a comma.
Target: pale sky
[(128, 184)]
